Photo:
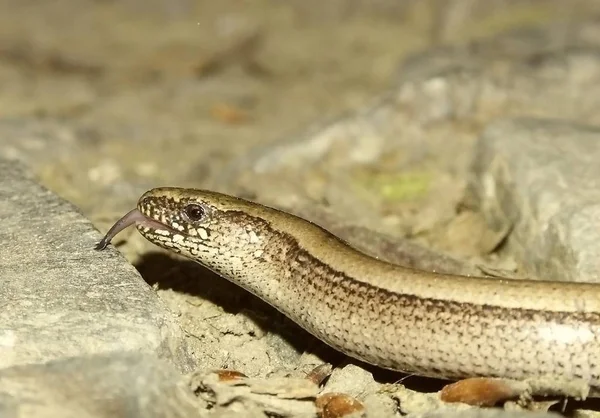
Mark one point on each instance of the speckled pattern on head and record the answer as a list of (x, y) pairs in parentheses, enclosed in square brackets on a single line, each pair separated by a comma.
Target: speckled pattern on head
[(394, 317)]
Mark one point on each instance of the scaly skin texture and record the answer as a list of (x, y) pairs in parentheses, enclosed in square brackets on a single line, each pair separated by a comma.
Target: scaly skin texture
[(387, 315)]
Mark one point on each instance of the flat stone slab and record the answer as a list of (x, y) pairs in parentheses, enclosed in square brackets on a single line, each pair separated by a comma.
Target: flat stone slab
[(61, 298), (100, 386), (541, 178)]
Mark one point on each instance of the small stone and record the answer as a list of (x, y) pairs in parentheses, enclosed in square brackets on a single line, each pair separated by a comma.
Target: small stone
[(352, 380)]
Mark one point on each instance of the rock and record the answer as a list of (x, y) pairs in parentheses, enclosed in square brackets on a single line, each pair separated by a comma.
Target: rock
[(227, 391), (113, 385), (542, 177), (60, 297), (429, 405), (352, 380), (398, 165), (356, 382)]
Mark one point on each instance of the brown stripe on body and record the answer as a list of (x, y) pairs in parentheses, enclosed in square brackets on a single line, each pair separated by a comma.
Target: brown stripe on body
[(398, 318), (434, 337)]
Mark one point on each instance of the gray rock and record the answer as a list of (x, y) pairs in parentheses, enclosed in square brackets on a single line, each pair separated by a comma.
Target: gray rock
[(115, 385), (550, 72), (542, 177), (351, 380), (61, 298), (415, 142), (256, 397)]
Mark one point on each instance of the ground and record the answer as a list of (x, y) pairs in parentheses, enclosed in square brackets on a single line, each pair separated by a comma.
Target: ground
[(120, 97)]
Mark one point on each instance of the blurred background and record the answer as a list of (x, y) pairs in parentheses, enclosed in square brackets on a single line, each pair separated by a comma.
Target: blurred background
[(105, 99), (169, 91)]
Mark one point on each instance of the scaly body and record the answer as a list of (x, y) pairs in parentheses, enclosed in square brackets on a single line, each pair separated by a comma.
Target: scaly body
[(402, 319)]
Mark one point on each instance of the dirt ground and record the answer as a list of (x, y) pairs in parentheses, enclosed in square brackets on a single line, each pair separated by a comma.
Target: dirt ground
[(138, 94)]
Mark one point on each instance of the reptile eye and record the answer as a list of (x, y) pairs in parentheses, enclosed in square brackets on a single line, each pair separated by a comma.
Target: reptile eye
[(194, 212)]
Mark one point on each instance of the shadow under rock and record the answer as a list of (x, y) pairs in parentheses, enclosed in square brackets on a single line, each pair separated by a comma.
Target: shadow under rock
[(185, 276)]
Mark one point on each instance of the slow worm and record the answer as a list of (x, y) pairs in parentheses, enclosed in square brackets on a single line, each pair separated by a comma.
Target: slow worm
[(394, 317)]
